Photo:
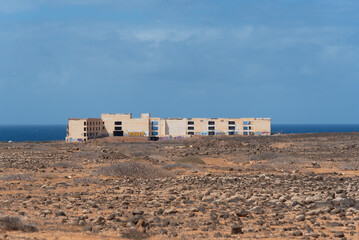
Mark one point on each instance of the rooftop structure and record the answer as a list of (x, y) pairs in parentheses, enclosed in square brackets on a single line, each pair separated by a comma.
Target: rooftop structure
[(122, 124)]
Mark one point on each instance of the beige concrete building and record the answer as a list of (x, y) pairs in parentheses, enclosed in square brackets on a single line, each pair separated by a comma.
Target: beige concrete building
[(123, 124)]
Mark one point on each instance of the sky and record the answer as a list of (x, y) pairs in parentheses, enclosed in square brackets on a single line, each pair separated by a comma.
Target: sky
[(294, 61)]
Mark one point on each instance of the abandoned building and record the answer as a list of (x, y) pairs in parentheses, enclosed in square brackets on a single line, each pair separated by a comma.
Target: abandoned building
[(123, 124)]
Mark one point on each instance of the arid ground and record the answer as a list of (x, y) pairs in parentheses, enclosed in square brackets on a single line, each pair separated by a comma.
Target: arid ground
[(301, 186)]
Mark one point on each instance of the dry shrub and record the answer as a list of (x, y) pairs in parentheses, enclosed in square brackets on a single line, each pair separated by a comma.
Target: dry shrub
[(351, 166), (71, 165), (265, 156), (191, 159), (171, 166), (135, 234), (17, 177), (133, 169), (8, 223), (261, 167), (86, 180)]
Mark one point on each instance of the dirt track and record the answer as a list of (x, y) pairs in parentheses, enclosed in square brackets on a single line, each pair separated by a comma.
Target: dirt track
[(301, 186)]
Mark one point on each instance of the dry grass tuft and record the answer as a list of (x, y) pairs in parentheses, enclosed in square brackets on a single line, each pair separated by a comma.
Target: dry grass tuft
[(71, 165), (9, 223), (171, 166), (133, 169), (135, 234), (191, 159), (351, 166), (17, 177)]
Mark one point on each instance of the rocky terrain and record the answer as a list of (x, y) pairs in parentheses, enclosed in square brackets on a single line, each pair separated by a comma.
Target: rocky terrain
[(301, 186)]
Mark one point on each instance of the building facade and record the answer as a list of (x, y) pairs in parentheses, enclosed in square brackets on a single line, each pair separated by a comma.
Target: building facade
[(123, 124)]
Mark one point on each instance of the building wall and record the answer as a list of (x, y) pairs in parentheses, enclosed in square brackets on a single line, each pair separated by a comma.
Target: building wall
[(163, 128), (128, 125), (82, 129)]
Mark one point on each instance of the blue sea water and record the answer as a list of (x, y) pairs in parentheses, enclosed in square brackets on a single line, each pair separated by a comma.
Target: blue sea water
[(21, 133), (314, 128)]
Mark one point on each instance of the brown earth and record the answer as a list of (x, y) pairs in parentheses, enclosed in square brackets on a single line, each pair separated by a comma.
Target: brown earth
[(302, 186)]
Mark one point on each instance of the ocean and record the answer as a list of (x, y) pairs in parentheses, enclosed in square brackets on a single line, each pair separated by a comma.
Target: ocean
[(22, 133)]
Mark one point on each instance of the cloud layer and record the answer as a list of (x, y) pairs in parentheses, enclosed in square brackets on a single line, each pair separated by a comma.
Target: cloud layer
[(295, 62)]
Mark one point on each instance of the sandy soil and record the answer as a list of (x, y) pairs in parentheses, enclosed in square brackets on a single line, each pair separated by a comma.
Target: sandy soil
[(301, 186)]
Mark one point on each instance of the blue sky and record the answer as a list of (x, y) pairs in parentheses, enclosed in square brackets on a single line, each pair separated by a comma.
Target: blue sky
[(295, 61)]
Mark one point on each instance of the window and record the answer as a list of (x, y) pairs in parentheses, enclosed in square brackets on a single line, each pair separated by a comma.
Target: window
[(211, 122), (231, 123), (84, 123), (250, 123), (190, 133), (245, 133), (103, 127), (211, 133), (154, 128), (250, 127), (103, 123), (245, 122), (190, 123), (211, 128), (85, 129), (231, 128), (84, 134), (230, 133), (155, 133), (118, 128), (245, 128), (118, 123), (190, 128), (154, 123)]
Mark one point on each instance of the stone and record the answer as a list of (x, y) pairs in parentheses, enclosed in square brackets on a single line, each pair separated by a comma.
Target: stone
[(236, 229)]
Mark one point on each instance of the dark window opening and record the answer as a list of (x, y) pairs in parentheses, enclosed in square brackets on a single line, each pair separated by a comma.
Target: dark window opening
[(118, 123), (84, 129), (118, 128), (231, 128), (211, 128), (190, 123), (117, 133), (190, 133), (245, 133), (230, 133), (250, 128), (190, 128), (211, 122), (231, 122), (84, 123), (210, 133), (154, 138), (84, 134)]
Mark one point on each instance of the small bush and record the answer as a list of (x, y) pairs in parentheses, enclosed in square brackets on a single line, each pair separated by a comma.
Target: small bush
[(71, 165), (170, 166), (9, 223), (191, 159), (265, 156), (86, 180), (133, 169), (352, 166), (135, 234), (17, 177)]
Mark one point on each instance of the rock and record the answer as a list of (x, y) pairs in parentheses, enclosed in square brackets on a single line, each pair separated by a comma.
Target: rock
[(339, 234), (60, 213), (100, 220), (300, 217), (137, 212), (236, 229), (171, 211), (297, 233)]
